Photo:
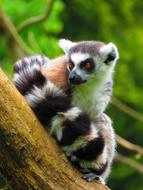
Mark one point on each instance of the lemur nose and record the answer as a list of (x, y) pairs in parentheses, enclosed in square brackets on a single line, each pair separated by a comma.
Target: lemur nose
[(74, 78)]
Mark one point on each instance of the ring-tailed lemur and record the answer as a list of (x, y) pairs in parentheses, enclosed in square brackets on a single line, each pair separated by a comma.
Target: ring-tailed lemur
[(74, 115)]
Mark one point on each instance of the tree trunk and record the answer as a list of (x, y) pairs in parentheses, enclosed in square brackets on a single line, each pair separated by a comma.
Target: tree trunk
[(29, 157)]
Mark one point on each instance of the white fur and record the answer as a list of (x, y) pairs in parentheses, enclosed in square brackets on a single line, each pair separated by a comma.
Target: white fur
[(100, 97), (105, 125), (66, 45), (39, 94), (82, 141), (93, 132), (105, 50), (71, 114), (91, 96), (56, 127), (78, 143), (39, 58), (16, 77), (79, 57), (34, 97)]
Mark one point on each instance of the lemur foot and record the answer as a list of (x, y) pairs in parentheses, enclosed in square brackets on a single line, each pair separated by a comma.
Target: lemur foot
[(71, 156), (103, 119), (90, 176)]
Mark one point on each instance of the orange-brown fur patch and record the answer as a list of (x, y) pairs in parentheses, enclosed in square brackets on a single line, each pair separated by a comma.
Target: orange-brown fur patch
[(56, 71)]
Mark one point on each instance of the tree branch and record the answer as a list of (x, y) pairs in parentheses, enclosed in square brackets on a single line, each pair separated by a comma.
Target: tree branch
[(29, 157), (36, 19), (126, 109), (11, 36), (132, 163), (123, 142)]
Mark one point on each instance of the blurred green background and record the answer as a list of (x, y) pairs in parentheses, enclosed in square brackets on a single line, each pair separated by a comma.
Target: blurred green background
[(120, 22)]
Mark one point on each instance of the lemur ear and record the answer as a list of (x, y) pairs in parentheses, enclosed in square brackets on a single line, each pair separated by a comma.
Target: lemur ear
[(66, 45), (109, 53)]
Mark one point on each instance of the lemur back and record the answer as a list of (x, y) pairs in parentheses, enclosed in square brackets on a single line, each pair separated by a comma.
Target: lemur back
[(88, 143)]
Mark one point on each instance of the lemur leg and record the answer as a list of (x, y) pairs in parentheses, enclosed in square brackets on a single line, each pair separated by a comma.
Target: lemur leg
[(104, 160), (81, 141), (104, 124)]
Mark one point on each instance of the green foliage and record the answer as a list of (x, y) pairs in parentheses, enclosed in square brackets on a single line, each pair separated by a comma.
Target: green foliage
[(41, 37), (106, 20)]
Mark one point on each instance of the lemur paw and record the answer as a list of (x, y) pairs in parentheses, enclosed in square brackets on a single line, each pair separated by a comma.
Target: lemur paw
[(71, 156), (90, 176), (103, 119)]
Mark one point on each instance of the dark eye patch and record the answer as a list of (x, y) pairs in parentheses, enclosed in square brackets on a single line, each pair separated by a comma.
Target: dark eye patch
[(70, 60), (70, 65), (87, 64)]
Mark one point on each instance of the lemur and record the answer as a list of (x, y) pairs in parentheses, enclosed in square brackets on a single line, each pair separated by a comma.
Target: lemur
[(69, 95)]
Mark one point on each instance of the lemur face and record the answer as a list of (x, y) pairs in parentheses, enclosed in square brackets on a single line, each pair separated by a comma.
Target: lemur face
[(88, 58)]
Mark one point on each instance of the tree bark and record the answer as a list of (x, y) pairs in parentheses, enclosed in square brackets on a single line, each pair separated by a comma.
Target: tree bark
[(29, 157)]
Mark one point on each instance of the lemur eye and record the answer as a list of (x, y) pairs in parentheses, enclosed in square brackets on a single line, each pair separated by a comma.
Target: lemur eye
[(87, 65), (70, 66)]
